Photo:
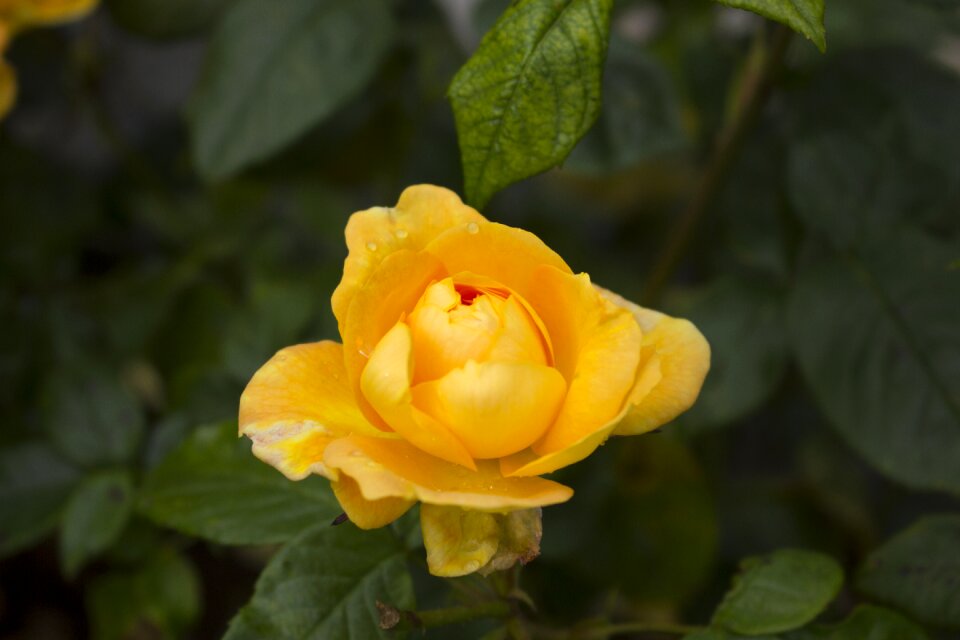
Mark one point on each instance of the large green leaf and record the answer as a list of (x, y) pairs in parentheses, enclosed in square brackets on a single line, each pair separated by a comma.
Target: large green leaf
[(160, 598), (640, 115), (743, 322), (919, 571), (803, 16), (325, 585), (779, 592), (166, 18), (213, 487), (94, 518), (875, 332), (90, 417), (530, 92), (275, 69), (35, 483), (867, 622), (876, 145)]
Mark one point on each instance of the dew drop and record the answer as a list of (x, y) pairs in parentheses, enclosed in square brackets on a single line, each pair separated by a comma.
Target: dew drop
[(473, 227), (401, 233), (372, 246), (471, 566)]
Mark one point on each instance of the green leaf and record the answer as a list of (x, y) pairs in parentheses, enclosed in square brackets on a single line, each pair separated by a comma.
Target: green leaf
[(530, 92), (918, 571), (743, 322), (166, 18), (275, 69), (325, 585), (803, 16), (867, 622), (213, 487), (159, 599), (781, 591), (841, 186), (94, 518), (875, 335), (876, 147), (35, 483), (639, 118), (91, 418)]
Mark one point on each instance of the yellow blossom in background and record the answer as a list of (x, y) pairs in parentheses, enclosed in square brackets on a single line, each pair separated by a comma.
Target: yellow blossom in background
[(473, 361), (16, 15)]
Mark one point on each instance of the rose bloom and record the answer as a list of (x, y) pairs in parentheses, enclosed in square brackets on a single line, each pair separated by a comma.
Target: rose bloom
[(473, 362), (16, 15)]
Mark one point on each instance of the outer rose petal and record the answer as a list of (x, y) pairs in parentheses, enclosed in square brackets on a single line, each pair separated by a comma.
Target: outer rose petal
[(681, 357), (597, 348), (367, 514), (423, 212), (389, 293), (461, 541), (504, 254), (674, 360), (458, 541), (385, 469), (296, 404), (386, 385)]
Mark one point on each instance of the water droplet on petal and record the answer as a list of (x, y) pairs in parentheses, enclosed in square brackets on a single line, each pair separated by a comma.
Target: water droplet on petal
[(473, 227), (401, 233), (372, 246), (471, 566)]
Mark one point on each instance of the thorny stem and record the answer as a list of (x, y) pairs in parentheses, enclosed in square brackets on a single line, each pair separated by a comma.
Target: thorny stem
[(753, 94), (393, 618)]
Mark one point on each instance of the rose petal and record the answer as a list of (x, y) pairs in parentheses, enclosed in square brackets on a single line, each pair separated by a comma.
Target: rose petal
[(597, 348), (495, 408), (296, 404), (458, 541), (385, 383), (504, 254), (422, 213), (681, 356), (397, 469), (461, 541), (367, 514), (390, 292)]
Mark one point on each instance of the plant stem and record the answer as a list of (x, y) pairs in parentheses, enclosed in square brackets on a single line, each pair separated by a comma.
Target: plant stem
[(754, 91), (599, 633), (393, 618), (603, 631)]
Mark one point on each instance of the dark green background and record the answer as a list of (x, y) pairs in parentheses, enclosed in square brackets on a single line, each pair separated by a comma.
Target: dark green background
[(174, 183)]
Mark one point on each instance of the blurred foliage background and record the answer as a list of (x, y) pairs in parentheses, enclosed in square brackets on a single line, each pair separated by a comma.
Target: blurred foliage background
[(175, 178)]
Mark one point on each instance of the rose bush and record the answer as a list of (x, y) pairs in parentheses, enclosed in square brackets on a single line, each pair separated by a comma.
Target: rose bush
[(473, 361), (16, 15)]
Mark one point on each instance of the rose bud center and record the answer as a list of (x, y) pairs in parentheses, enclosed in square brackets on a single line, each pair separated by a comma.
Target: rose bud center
[(482, 366)]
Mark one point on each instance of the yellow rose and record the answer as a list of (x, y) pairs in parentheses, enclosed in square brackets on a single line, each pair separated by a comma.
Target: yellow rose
[(16, 15), (473, 361)]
